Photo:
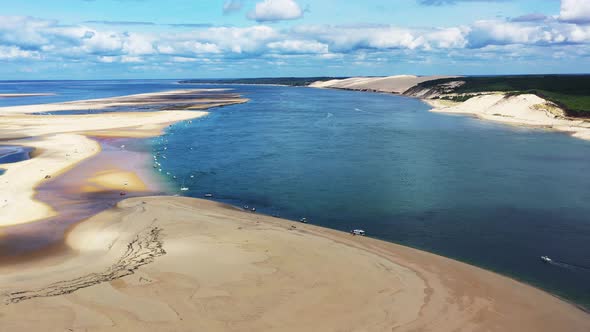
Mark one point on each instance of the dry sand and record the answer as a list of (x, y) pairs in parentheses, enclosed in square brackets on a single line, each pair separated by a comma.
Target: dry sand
[(181, 264), (525, 109), (391, 84)]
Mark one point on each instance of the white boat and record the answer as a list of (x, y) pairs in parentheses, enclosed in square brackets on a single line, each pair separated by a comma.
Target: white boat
[(183, 188), (303, 220), (546, 259), (208, 195), (358, 232)]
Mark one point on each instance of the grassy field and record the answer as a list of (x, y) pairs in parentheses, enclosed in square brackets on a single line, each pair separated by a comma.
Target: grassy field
[(571, 92), (290, 81)]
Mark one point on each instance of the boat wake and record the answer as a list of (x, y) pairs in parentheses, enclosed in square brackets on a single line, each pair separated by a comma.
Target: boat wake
[(570, 266)]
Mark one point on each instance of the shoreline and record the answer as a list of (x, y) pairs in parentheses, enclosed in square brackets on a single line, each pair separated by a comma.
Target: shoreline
[(264, 269), (527, 110), (524, 110)]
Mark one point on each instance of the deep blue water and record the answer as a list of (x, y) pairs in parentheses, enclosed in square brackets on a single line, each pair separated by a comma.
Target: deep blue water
[(488, 194)]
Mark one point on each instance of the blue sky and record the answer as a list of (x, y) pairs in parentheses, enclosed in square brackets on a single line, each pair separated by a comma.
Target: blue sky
[(96, 39)]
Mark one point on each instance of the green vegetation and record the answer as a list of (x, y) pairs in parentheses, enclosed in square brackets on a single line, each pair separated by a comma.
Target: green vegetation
[(570, 92), (458, 98), (290, 81)]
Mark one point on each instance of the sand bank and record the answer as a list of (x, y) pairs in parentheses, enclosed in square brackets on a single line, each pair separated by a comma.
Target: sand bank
[(391, 84), (525, 109), (17, 95), (180, 264), (166, 99), (60, 141)]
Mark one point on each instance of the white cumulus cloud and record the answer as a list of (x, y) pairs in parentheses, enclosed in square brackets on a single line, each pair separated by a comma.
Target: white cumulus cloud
[(575, 11), (276, 10), (299, 47)]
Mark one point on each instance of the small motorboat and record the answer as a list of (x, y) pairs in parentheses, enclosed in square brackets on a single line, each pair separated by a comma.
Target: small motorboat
[(303, 220), (546, 259), (183, 188), (358, 232), (208, 195), (253, 209)]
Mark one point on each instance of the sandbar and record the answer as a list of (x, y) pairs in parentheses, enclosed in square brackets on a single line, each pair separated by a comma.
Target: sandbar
[(182, 264)]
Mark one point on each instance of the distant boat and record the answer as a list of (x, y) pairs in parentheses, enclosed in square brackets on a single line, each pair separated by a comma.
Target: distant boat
[(183, 189), (303, 220), (209, 195), (546, 259), (358, 232)]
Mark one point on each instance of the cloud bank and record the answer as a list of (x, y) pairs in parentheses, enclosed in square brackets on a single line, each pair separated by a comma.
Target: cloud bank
[(38, 43)]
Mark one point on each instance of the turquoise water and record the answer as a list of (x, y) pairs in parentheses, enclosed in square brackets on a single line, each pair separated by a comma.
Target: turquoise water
[(492, 195)]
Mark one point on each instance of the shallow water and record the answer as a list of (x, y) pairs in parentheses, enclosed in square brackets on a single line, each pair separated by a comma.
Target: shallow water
[(14, 153), (488, 194)]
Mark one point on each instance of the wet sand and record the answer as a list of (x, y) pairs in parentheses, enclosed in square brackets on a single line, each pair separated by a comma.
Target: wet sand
[(182, 264)]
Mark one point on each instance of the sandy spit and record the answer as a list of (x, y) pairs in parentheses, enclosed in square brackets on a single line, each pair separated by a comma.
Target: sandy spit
[(16, 95), (181, 264)]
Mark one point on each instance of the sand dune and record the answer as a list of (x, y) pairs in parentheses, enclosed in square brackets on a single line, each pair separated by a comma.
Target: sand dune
[(525, 109), (392, 84), (180, 264)]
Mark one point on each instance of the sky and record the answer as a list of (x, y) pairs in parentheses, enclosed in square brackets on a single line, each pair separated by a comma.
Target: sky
[(110, 39)]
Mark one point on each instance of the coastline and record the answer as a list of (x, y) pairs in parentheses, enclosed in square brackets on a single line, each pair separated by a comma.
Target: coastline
[(147, 257), (521, 110), (264, 270)]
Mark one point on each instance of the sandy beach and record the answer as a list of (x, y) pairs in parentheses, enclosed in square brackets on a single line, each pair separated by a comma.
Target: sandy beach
[(181, 264)]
